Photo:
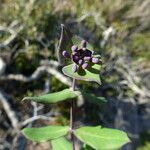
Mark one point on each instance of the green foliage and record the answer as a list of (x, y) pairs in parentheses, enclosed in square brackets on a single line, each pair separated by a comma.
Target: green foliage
[(144, 140), (96, 137), (54, 97), (43, 134), (90, 74), (91, 98), (61, 144), (140, 45), (102, 138), (40, 19), (86, 147), (146, 146)]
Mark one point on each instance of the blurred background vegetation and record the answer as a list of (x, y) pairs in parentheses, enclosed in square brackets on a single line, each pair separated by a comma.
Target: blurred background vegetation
[(29, 35)]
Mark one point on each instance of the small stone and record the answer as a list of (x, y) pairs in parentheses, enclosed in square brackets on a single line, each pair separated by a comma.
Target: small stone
[(85, 65), (74, 48), (95, 60), (83, 43)]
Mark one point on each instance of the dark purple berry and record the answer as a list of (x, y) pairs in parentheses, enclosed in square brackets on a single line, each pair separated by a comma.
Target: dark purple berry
[(85, 65), (65, 54), (95, 60), (74, 68), (83, 43), (74, 48), (80, 62), (87, 58)]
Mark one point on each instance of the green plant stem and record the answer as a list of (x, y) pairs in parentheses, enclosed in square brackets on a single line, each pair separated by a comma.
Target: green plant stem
[(72, 115)]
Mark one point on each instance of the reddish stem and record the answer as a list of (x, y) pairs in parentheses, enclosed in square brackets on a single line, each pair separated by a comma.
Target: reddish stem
[(72, 115)]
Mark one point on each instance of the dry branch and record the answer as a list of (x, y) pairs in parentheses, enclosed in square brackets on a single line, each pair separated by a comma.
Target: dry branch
[(9, 111)]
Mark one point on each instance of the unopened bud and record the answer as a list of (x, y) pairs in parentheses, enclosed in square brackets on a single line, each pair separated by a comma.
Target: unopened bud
[(85, 65), (95, 60), (83, 43), (65, 54), (74, 68), (75, 58), (87, 58), (80, 62), (74, 48)]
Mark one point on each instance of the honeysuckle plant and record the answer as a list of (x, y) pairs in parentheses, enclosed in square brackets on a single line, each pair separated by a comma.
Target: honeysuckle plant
[(80, 63)]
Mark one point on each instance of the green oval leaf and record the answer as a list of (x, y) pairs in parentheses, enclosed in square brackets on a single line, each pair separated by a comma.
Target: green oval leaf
[(102, 138), (90, 74), (54, 97), (61, 144), (93, 99), (43, 134)]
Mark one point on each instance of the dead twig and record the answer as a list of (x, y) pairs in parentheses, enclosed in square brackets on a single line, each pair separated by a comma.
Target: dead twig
[(9, 111)]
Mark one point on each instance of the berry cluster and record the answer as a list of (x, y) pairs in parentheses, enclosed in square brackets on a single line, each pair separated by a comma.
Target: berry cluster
[(82, 57)]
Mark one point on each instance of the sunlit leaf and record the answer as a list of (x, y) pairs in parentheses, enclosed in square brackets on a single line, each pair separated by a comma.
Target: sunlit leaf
[(61, 144), (102, 138), (90, 74), (43, 134), (54, 97)]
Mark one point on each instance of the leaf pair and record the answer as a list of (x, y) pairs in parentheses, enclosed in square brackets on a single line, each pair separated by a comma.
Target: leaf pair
[(96, 137), (66, 94)]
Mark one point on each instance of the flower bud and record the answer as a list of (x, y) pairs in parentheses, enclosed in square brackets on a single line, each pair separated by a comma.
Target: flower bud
[(85, 65), (74, 48), (83, 43), (74, 68), (83, 48), (80, 62), (95, 60), (87, 58), (65, 54), (75, 58)]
